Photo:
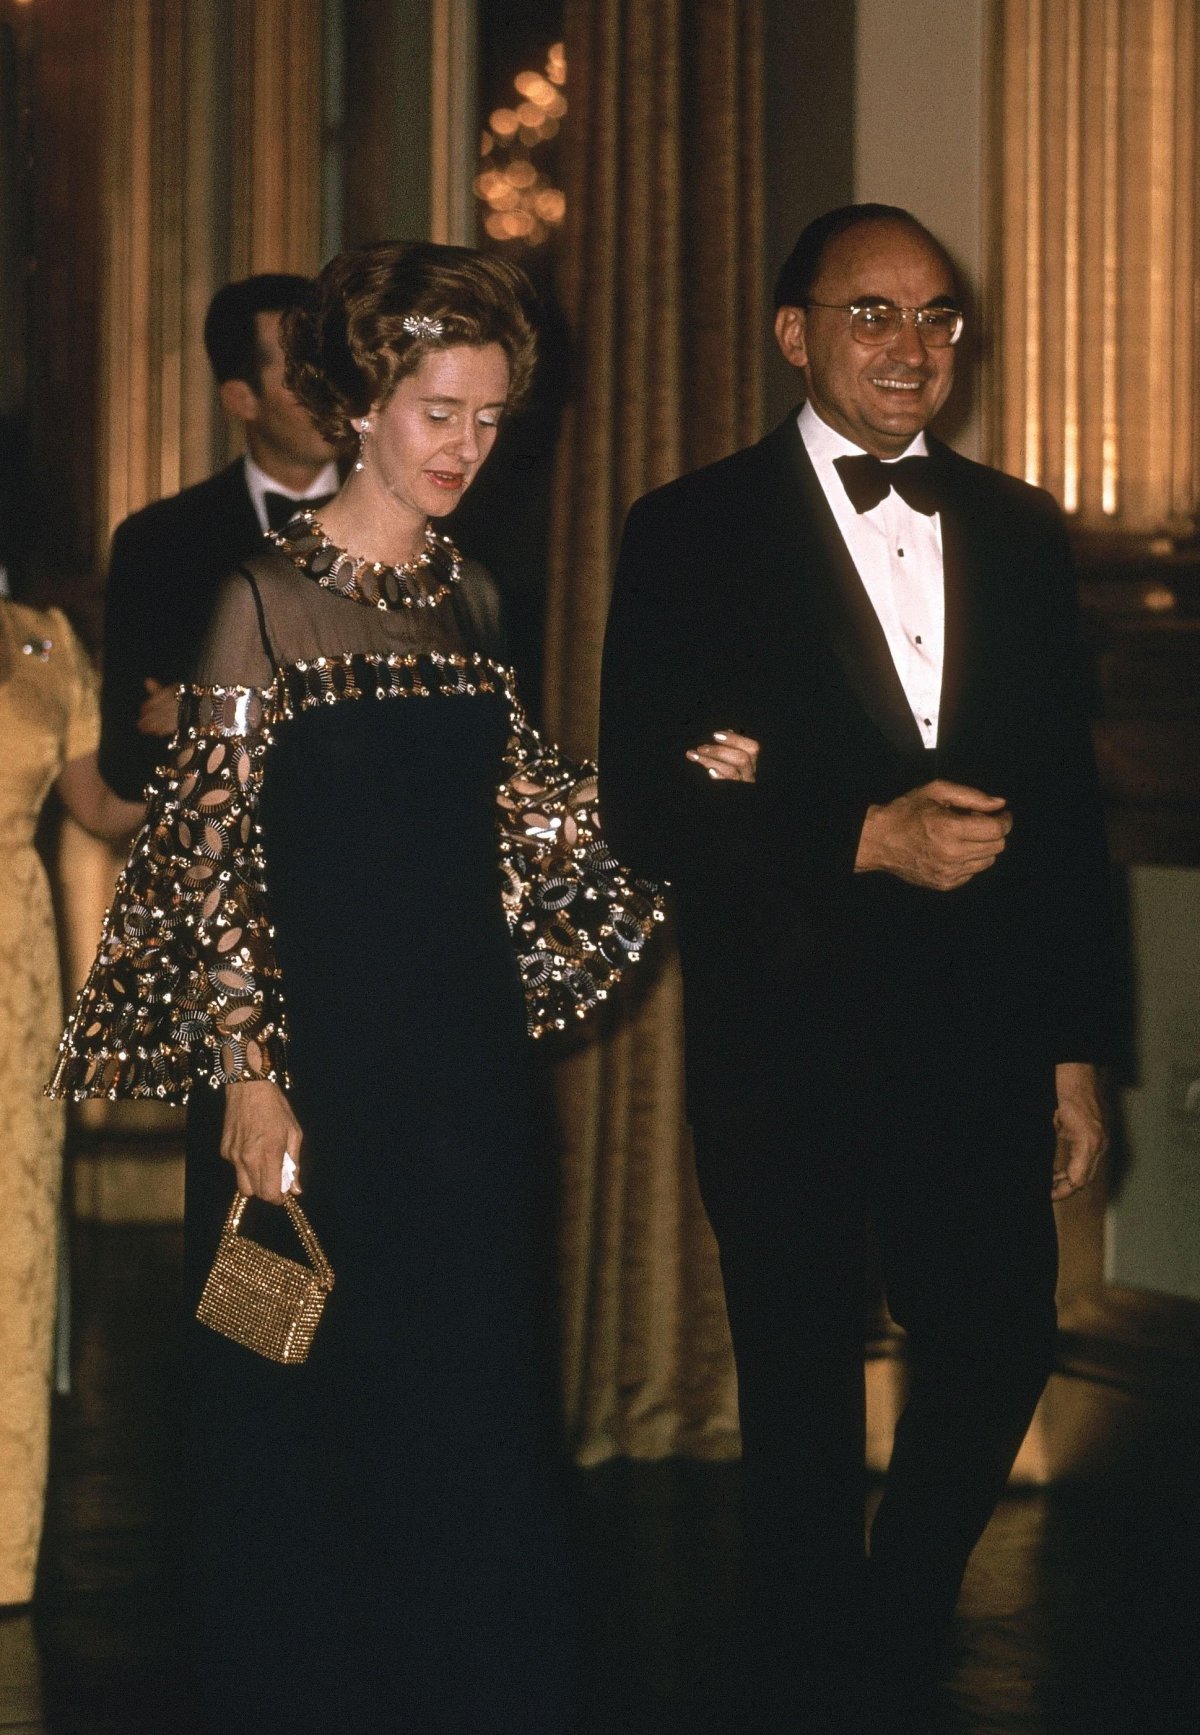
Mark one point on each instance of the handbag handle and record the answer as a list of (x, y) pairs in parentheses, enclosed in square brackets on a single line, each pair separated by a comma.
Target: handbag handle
[(303, 1228)]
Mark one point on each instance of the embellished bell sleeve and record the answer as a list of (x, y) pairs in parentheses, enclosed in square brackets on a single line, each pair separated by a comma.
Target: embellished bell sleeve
[(578, 919), (185, 986)]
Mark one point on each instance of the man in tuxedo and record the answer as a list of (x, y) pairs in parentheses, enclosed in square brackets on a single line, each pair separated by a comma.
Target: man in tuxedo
[(844, 713), (168, 559)]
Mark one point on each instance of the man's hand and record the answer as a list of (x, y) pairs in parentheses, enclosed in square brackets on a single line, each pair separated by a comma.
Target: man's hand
[(939, 836), (160, 709), (1080, 1120), (259, 1127)]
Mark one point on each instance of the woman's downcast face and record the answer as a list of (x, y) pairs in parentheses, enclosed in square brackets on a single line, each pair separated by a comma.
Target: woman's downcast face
[(426, 445)]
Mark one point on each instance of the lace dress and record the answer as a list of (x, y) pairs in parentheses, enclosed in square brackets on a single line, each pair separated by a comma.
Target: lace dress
[(48, 716), (366, 877)]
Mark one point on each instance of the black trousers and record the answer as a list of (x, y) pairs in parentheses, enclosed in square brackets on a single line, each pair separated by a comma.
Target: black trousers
[(946, 1149)]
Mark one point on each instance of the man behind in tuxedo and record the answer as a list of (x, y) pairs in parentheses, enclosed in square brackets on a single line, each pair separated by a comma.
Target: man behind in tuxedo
[(168, 559), (844, 713)]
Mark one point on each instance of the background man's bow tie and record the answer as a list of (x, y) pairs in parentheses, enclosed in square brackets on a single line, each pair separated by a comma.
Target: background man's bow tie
[(281, 507), (867, 480)]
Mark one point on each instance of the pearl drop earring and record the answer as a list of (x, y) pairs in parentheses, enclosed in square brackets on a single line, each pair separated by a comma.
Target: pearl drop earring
[(362, 442)]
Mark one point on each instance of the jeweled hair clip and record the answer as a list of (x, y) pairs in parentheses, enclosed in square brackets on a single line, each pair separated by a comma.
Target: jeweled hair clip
[(420, 325)]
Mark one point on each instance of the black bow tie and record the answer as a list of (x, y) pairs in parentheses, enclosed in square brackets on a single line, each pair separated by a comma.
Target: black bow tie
[(282, 507), (867, 480)]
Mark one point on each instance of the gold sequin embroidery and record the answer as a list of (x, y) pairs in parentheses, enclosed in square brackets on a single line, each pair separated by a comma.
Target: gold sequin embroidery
[(185, 986)]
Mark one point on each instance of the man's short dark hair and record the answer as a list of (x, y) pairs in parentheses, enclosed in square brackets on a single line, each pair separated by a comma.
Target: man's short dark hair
[(230, 331), (802, 266)]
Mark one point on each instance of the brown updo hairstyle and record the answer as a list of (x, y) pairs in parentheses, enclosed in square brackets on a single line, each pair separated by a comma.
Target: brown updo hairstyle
[(346, 347)]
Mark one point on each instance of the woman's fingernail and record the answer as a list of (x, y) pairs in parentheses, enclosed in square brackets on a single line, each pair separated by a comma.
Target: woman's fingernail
[(720, 735), (692, 754), (713, 772)]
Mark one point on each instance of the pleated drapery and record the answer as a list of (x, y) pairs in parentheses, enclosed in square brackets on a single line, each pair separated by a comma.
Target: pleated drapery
[(661, 285), (1095, 245), (192, 201)]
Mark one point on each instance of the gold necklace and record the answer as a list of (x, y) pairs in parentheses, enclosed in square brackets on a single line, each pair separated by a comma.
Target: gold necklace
[(381, 586)]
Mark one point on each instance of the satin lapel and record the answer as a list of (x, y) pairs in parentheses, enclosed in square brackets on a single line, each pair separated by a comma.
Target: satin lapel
[(811, 544), (962, 563)]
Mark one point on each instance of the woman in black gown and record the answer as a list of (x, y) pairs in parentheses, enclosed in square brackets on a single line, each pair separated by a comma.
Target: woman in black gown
[(363, 880)]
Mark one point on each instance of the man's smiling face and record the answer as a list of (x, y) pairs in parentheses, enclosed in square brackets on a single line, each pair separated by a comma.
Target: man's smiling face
[(879, 396)]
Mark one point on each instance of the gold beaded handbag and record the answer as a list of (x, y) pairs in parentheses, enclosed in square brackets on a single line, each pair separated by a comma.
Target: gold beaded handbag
[(261, 1299)]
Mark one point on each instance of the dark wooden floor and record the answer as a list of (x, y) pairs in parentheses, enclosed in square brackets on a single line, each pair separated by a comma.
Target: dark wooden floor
[(1081, 1613)]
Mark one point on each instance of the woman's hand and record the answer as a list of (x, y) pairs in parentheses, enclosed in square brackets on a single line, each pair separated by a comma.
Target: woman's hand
[(730, 757), (92, 804), (259, 1128), (159, 714)]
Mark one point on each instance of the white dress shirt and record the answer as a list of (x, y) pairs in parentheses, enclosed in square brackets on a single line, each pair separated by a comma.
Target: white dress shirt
[(898, 554), (259, 484)]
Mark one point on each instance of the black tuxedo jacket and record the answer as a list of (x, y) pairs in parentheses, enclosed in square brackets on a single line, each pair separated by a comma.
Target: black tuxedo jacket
[(167, 563), (736, 605)]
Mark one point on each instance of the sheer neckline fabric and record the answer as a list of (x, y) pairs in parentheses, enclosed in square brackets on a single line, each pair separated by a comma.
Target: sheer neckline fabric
[(422, 583)]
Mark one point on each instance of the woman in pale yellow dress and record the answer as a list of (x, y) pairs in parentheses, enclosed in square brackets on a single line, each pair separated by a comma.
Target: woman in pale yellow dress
[(49, 729)]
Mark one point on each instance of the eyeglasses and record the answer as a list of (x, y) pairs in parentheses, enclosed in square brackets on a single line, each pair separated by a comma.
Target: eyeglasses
[(875, 322)]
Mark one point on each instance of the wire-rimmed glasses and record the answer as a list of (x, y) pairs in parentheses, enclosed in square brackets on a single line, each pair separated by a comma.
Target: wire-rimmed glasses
[(875, 322)]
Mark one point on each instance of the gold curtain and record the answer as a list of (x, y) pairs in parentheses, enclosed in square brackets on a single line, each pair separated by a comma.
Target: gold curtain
[(189, 206), (277, 140), (156, 420), (661, 283), (1095, 214)]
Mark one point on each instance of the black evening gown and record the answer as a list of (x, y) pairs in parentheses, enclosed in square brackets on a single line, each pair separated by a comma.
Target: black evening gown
[(378, 1537)]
